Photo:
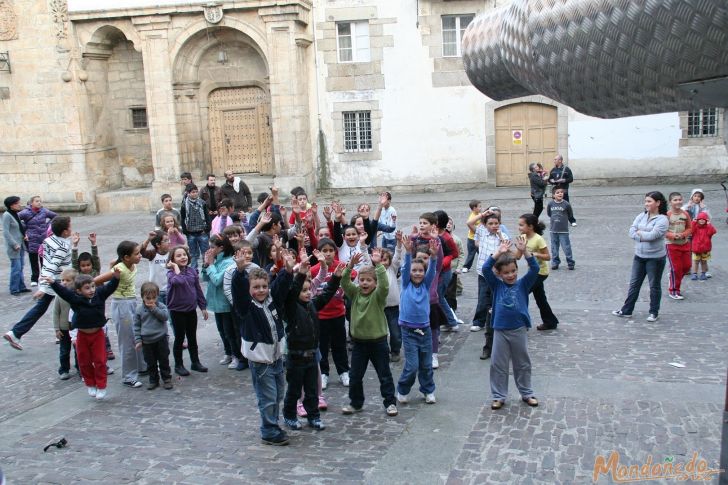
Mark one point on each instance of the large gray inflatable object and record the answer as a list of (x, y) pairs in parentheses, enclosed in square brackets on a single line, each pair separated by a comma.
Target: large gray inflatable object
[(606, 58)]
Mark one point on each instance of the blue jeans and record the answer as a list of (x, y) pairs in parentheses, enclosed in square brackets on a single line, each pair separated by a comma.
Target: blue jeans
[(378, 353), (199, 244), (16, 273), (641, 267), (268, 382), (557, 239), (64, 352), (395, 334), (445, 278), (472, 251), (418, 361), (33, 315)]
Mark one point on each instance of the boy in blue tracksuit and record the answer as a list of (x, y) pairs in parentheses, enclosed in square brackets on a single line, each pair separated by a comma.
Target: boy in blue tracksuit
[(510, 321), (258, 312)]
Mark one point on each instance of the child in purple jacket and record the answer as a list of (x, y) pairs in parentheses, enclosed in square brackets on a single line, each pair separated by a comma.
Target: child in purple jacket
[(36, 219), (184, 295)]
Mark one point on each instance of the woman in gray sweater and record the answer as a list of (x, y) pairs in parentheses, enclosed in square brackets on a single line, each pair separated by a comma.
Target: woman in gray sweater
[(13, 234)]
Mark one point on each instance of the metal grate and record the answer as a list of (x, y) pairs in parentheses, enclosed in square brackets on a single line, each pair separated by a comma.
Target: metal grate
[(703, 123), (453, 28), (357, 131), (139, 118)]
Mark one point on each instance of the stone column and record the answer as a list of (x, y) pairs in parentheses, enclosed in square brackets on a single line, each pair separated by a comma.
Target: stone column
[(287, 28), (160, 105)]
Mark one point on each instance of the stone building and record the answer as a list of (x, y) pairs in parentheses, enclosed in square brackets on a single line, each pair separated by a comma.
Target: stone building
[(103, 106)]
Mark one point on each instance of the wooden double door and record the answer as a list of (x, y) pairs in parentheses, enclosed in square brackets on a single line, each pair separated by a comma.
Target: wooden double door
[(241, 138), (524, 133)]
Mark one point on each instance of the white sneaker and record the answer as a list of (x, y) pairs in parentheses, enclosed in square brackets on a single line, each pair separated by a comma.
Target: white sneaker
[(455, 328), (226, 360), (344, 378), (475, 328), (430, 398), (403, 399), (33, 283), (392, 410), (708, 275), (91, 391), (233, 363), (64, 376), (100, 394), (573, 224), (435, 362), (324, 381), (109, 370), (652, 317), (464, 270), (459, 320)]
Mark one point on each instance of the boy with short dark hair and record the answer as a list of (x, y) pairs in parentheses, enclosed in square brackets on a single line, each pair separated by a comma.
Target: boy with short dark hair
[(368, 328), (89, 305), (559, 210), (150, 334), (195, 223), (62, 325), (185, 179), (258, 310), (56, 258), (166, 209)]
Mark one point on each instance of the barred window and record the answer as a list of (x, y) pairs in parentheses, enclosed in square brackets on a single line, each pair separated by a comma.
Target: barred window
[(352, 41), (139, 118), (357, 131), (453, 28), (703, 123)]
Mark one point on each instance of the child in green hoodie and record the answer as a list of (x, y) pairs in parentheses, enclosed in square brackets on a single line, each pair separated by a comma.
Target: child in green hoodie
[(369, 331)]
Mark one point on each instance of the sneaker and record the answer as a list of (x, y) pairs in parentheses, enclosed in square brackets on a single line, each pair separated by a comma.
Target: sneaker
[(678, 296), (242, 365), (168, 385), (152, 385), (620, 314), (349, 409), (435, 361), (322, 404), (197, 367), (133, 384), (316, 424), (485, 355), (395, 357), (572, 267), (403, 399), (457, 319), (110, 355), (673, 295), (294, 423), (281, 440), (708, 275), (449, 328), (324, 381), (554, 267), (300, 410), (694, 277), (33, 283), (226, 360), (475, 328), (109, 370), (430, 398), (91, 391), (181, 371), (464, 270), (100, 394), (58, 341), (573, 224), (652, 317), (344, 378), (703, 277), (233, 363), (64, 376), (13, 341), (392, 410)]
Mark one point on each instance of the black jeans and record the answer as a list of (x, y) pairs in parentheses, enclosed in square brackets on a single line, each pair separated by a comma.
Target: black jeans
[(64, 352), (539, 294), (361, 354), (395, 333), (301, 372), (35, 263), (451, 292), (472, 251), (537, 206), (333, 335), (220, 320), (185, 325), (157, 354)]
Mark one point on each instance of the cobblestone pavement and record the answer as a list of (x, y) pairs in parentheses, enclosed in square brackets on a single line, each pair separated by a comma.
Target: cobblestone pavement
[(604, 384)]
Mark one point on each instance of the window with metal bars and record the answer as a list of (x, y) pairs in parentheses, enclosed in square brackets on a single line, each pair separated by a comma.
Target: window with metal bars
[(357, 131), (703, 123), (453, 28), (139, 118)]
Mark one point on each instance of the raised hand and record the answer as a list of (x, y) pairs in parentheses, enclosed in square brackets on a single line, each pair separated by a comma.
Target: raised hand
[(376, 256), (434, 246), (355, 259), (407, 243), (504, 247), (284, 212), (304, 266), (339, 269), (327, 212), (241, 260), (520, 244), (300, 237), (75, 238), (320, 256), (289, 260), (265, 218), (363, 238), (415, 231), (92, 238), (277, 241)]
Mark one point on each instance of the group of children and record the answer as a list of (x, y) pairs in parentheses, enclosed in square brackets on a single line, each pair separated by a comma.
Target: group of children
[(283, 283)]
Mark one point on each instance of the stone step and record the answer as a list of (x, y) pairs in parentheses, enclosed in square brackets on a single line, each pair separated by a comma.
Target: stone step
[(257, 184), (124, 200)]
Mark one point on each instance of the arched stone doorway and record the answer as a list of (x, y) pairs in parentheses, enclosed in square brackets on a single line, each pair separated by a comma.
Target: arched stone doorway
[(524, 133), (222, 104)]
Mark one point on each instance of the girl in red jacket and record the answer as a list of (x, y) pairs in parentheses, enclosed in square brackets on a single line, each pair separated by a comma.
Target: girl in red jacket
[(702, 232)]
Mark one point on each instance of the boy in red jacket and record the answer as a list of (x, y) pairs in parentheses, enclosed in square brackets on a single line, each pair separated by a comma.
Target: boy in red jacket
[(702, 232)]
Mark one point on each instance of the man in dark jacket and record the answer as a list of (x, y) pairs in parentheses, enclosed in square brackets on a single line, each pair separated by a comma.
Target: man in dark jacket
[(212, 195), (560, 177), (236, 190), (538, 187)]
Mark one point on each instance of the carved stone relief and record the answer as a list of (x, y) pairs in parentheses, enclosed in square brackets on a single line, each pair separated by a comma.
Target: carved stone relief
[(8, 21)]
